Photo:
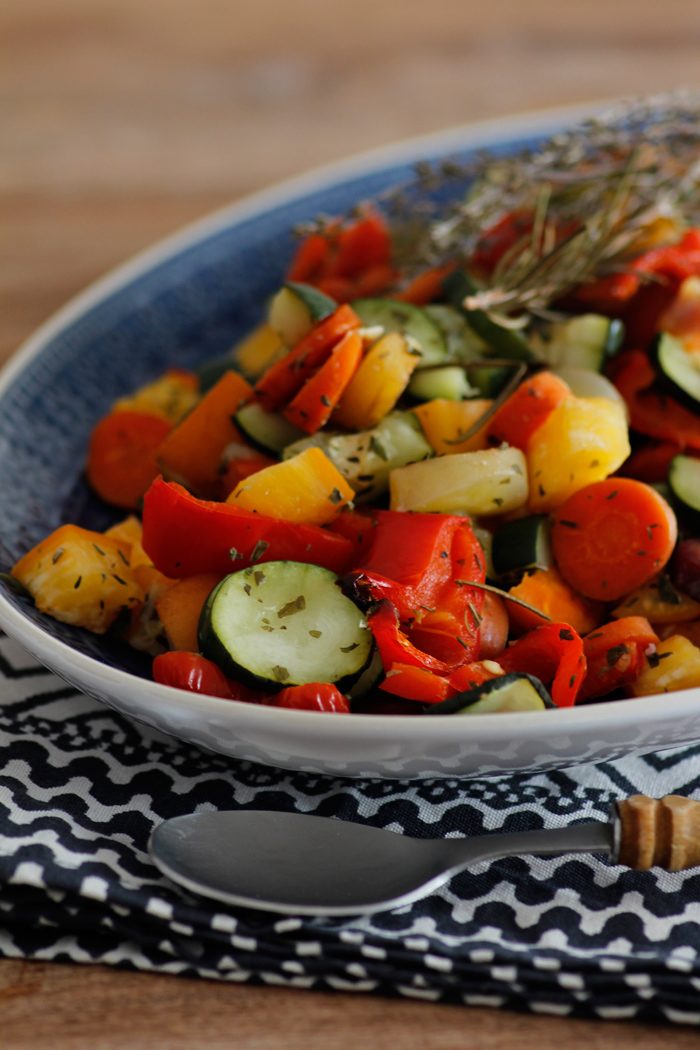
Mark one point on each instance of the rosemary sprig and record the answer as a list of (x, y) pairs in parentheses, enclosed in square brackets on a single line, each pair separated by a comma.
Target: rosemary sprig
[(596, 196)]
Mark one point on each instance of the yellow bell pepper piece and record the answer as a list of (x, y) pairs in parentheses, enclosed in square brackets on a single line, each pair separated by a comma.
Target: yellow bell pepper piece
[(170, 396), (446, 422), (307, 488), (377, 384), (257, 351), (674, 666), (583, 440)]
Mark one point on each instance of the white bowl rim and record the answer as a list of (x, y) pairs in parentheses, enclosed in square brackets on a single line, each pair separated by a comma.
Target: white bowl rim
[(62, 657)]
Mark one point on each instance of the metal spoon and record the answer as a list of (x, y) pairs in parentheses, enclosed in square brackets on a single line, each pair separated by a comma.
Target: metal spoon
[(291, 862)]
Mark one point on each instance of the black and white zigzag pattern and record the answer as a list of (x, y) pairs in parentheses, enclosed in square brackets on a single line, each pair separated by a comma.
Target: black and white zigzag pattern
[(81, 789)]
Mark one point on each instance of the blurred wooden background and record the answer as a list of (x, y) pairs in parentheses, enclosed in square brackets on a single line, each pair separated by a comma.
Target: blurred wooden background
[(121, 120)]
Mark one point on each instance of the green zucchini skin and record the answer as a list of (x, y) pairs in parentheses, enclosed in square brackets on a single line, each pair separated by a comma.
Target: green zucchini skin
[(676, 371), (507, 342), (445, 381), (586, 341), (410, 321), (266, 431), (684, 486), (317, 303), (494, 693), (522, 544), (285, 623)]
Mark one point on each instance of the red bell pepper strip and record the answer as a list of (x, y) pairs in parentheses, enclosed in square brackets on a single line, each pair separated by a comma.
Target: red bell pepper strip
[(313, 696), (615, 654), (358, 527), (313, 405), (553, 653), (196, 674), (416, 683), (185, 536), (656, 415)]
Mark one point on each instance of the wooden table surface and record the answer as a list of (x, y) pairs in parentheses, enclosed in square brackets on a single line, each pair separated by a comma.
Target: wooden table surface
[(123, 120)]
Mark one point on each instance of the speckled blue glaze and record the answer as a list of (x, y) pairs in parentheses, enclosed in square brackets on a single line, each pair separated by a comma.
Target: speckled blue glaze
[(185, 308)]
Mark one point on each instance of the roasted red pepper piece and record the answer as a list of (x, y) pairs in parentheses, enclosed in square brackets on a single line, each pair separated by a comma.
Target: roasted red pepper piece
[(615, 654), (396, 648), (554, 654), (312, 696), (185, 536), (637, 299), (416, 683), (411, 560), (656, 415), (347, 261), (196, 674)]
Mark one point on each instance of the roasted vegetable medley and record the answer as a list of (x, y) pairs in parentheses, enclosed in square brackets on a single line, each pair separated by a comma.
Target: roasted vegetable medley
[(420, 488)]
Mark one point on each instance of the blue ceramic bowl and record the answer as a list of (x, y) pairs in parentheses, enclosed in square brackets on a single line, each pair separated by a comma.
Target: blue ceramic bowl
[(183, 302)]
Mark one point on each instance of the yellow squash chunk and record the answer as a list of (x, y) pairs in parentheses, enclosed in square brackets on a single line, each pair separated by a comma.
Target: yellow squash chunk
[(377, 384), (170, 396), (79, 577), (583, 440), (445, 424), (128, 533), (675, 665), (660, 602), (257, 351), (482, 483), (307, 488)]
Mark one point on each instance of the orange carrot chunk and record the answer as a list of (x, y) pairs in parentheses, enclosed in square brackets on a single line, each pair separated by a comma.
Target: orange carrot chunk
[(121, 460), (612, 536), (192, 452), (286, 376), (312, 406), (526, 409)]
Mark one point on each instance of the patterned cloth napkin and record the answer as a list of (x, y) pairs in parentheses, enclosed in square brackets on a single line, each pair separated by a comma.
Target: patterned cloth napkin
[(81, 789)]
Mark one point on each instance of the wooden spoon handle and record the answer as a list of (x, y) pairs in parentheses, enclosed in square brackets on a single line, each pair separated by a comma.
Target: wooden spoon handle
[(658, 832)]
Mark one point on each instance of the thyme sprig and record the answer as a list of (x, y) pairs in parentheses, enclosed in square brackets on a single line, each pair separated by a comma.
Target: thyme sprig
[(596, 196)]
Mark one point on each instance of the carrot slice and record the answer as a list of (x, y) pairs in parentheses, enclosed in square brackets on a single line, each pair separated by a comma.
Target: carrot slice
[(285, 377), (180, 607), (544, 589), (526, 409), (192, 452), (121, 460), (612, 536), (312, 406)]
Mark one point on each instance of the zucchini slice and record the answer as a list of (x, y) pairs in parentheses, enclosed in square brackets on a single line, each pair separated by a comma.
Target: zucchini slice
[(295, 309), (446, 381), (678, 370), (510, 692), (522, 544), (410, 321), (268, 431), (462, 342), (586, 341), (284, 622), (684, 483), (506, 341)]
